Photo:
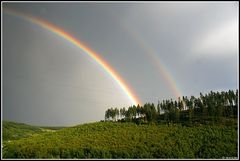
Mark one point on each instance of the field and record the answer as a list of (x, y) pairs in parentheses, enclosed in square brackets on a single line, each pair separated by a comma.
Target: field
[(127, 140)]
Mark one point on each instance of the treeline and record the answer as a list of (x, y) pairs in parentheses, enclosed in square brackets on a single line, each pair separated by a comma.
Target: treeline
[(212, 107)]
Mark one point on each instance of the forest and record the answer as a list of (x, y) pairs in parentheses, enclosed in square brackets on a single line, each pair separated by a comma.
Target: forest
[(210, 108), (204, 127)]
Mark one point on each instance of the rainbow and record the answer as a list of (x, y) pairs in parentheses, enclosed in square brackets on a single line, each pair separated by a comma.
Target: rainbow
[(153, 56), (70, 38)]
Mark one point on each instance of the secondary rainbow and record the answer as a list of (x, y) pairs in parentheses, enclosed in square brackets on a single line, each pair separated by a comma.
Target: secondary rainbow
[(153, 56), (70, 38)]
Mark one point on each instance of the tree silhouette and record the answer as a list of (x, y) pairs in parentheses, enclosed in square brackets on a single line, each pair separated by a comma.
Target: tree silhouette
[(212, 106)]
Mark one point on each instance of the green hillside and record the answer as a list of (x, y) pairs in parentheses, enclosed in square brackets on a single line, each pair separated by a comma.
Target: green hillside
[(128, 140), (14, 130), (190, 127)]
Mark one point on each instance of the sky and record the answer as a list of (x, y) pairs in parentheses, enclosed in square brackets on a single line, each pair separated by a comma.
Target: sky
[(161, 50)]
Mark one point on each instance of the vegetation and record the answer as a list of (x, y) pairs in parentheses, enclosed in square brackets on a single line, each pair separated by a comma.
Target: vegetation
[(204, 127), (52, 127), (128, 140), (213, 107), (14, 130)]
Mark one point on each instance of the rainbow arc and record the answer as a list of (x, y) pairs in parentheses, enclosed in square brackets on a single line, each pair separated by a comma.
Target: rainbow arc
[(70, 38)]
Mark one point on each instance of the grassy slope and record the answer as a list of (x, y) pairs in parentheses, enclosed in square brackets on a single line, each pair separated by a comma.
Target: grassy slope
[(128, 140), (14, 130)]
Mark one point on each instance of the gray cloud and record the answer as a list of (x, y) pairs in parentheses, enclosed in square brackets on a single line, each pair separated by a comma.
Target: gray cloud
[(48, 81)]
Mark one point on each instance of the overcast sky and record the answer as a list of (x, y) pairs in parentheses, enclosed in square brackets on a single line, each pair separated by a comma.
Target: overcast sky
[(49, 81)]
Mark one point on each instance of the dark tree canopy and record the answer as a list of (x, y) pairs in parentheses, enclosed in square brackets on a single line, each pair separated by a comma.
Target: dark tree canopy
[(209, 107)]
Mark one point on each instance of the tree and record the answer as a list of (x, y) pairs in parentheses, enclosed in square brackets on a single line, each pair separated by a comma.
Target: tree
[(171, 110), (191, 108), (165, 108), (138, 110), (153, 112), (122, 112), (236, 98), (158, 108), (107, 114), (177, 115), (175, 104), (150, 111), (134, 111), (113, 113), (116, 111)]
